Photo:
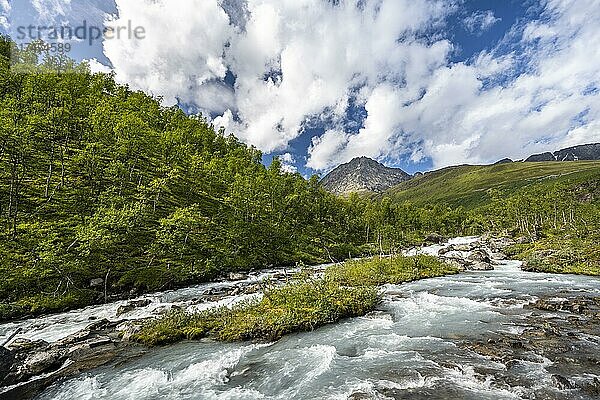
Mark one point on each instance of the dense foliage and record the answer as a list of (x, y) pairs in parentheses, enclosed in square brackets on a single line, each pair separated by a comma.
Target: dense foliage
[(558, 220), (104, 191), (393, 270)]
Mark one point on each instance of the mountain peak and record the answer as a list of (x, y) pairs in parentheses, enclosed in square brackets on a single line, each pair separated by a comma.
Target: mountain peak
[(576, 153), (363, 174)]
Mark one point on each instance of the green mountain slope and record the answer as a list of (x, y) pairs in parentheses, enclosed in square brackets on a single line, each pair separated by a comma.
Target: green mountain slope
[(468, 185)]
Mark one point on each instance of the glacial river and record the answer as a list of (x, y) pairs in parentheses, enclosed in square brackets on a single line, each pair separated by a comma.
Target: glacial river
[(410, 348)]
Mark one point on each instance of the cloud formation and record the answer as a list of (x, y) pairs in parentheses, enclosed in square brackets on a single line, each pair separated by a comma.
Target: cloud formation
[(480, 21), (287, 163), (478, 111), (4, 12), (292, 59), (264, 68)]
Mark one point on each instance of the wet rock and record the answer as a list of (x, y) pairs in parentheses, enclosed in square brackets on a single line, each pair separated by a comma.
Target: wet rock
[(21, 345), (479, 256), (579, 305), (237, 276), (6, 361), (591, 387), (435, 238), (455, 264), (561, 382), (222, 291), (499, 244), (347, 351), (132, 305), (128, 329), (92, 347), (479, 266), (250, 289), (360, 396), (41, 362), (466, 247), (460, 248), (96, 282)]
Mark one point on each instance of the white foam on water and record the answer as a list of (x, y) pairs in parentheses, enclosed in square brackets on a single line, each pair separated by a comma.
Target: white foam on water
[(466, 378), (426, 305), (326, 354), (464, 240), (87, 388), (205, 378), (52, 328)]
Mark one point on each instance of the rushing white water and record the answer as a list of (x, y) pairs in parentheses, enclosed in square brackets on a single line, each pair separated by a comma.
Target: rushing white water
[(57, 326), (407, 349)]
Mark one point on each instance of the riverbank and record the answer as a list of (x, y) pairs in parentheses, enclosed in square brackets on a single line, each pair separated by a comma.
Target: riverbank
[(415, 344)]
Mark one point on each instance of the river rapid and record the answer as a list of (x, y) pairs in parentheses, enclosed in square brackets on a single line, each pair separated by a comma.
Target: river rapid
[(417, 345)]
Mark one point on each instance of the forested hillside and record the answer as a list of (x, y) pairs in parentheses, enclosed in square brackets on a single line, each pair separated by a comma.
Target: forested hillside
[(101, 186)]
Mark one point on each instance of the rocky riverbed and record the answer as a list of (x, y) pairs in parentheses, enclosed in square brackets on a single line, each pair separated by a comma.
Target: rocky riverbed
[(511, 332)]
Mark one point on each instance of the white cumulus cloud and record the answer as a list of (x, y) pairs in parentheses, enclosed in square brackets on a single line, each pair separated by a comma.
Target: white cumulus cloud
[(287, 163), (292, 59)]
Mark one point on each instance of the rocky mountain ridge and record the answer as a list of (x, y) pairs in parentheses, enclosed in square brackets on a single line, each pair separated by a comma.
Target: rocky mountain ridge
[(585, 152), (365, 175)]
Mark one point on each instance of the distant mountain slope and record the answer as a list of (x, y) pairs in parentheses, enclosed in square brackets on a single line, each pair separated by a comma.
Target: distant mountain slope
[(467, 185), (362, 175), (585, 152)]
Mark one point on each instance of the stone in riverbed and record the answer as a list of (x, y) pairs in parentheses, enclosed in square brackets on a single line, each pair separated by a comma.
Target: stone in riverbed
[(132, 305), (480, 256), (435, 238), (96, 282), (6, 361), (21, 345), (480, 266), (360, 396), (579, 305), (592, 387), (44, 361), (237, 276), (561, 382), (92, 347)]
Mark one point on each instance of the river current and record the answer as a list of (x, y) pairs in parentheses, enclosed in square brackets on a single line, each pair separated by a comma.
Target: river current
[(408, 348)]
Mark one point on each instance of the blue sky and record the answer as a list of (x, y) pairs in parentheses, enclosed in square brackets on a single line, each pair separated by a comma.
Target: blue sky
[(417, 84)]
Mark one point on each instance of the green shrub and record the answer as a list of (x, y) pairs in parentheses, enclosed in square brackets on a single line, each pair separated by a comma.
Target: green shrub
[(381, 270)]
